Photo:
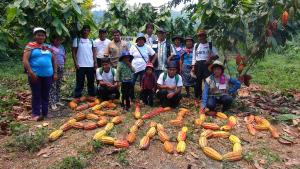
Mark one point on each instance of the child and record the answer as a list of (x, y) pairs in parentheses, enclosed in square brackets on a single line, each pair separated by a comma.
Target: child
[(218, 88), (148, 85), (186, 65), (124, 76), (60, 52), (107, 85)]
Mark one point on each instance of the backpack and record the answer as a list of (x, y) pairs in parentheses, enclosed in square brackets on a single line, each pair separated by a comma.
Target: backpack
[(165, 77), (112, 71), (78, 40), (209, 43)]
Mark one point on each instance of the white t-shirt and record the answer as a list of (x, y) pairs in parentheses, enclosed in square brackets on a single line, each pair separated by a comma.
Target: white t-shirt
[(84, 52), (107, 77), (201, 53), (138, 62), (169, 81), (101, 46)]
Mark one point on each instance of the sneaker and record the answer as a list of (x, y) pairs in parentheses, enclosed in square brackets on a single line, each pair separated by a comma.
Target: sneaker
[(54, 107)]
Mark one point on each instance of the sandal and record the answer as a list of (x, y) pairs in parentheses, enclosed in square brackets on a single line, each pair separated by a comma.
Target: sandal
[(36, 118)]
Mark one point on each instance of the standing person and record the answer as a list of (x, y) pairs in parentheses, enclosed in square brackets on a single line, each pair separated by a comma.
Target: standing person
[(141, 53), (177, 50), (84, 56), (124, 76), (115, 48), (107, 86), (60, 53), (169, 85), (163, 50), (150, 37), (101, 44), (218, 88), (40, 65), (186, 65), (148, 85), (203, 55)]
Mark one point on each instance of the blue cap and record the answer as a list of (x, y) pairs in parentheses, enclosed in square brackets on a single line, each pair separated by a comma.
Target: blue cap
[(140, 35), (124, 54)]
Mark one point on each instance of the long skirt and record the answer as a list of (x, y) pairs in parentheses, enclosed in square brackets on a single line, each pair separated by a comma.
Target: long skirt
[(188, 80)]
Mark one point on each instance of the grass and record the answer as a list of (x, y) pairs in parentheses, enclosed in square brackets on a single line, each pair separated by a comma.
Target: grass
[(71, 162), (122, 157)]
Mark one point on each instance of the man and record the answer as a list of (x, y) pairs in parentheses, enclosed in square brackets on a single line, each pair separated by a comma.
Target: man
[(162, 49), (84, 56), (203, 55), (101, 44), (150, 37), (115, 48), (169, 86), (107, 86)]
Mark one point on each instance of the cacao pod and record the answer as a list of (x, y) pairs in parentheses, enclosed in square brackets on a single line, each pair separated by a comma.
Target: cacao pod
[(112, 113), (274, 132), (225, 128), (121, 144), (211, 126), (202, 117), (139, 122), (160, 127), (117, 120), (258, 119), (137, 115), (72, 105), (181, 147), (97, 101), (151, 132), (265, 122), (92, 104), (102, 122), (176, 122), (220, 134), (131, 137), (78, 125), (76, 100), (250, 119), (169, 148), (144, 143), (237, 147), (107, 140), (213, 154), (211, 113), (96, 107), (82, 107), (91, 116), (198, 122), (221, 115), (90, 126), (238, 59), (111, 106), (99, 112), (83, 98), (55, 135), (91, 99), (72, 121), (203, 142), (261, 127), (133, 129), (234, 139), (99, 134), (181, 136), (153, 124), (65, 127), (184, 129), (206, 133), (232, 156), (232, 121), (163, 136), (184, 110), (109, 126), (179, 118), (251, 129), (80, 116)]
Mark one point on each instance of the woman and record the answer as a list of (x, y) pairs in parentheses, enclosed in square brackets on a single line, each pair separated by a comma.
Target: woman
[(41, 68), (60, 53), (177, 50), (141, 53), (218, 88)]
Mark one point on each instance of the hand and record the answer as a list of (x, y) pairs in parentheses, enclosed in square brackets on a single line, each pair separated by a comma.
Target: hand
[(170, 95), (33, 77), (55, 76), (171, 87), (76, 66), (193, 69), (95, 65)]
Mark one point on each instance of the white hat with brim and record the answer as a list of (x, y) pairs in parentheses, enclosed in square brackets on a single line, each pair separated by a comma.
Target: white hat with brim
[(39, 29), (216, 63)]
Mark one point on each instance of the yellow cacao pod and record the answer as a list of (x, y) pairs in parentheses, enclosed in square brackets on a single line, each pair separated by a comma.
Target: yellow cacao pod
[(198, 122), (181, 136), (232, 156), (117, 120), (237, 147), (151, 132), (206, 133), (202, 142), (213, 154), (160, 127), (169, 148), (225, 128), (55, 135), (107, 140), (163, 136), (220, 134), (261, 127), (99, 134), (234, 139), (153, 124), (137, 115), (133, 129), (181, 147), (232, 121), (144, 143), (131, 137), (72, 121), (139, 123), (184, 129), (202, 117), (221, 115), (97, 107), (109, 126)]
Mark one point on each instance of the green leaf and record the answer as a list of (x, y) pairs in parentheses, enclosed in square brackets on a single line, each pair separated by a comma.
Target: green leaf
[(76, 7), (287, 117), (65, 29), (11, 14)]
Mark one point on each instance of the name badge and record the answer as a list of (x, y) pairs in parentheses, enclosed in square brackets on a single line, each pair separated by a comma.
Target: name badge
[(154, 46), (45, 51), (222, 86)]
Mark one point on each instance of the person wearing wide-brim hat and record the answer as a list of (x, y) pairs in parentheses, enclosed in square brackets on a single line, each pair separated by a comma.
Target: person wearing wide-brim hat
[(186, 65), (204, 54), (177, 49), (169, 85), (148, 85), (142, 54), (218, 88), (124, 76)]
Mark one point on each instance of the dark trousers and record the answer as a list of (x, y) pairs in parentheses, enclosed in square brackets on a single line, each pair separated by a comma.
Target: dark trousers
[(147, 96), (106, 93), (40, 90), (99, 62), (136, 75), (127, 93), (202, 73), (81, 73), (225, 101), (165, 102)]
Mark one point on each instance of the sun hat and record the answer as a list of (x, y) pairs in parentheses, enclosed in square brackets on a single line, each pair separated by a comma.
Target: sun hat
[(216, 63), (125, 54), (140, 36), (161, 30), (38, 29), (177, 37), (189, 38), (172, 64)]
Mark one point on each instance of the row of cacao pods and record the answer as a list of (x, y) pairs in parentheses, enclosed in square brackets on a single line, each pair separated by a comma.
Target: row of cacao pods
[(257, 123), (178, 121)]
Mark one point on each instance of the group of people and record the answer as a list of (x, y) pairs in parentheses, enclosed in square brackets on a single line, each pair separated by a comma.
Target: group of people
[(161, 67)]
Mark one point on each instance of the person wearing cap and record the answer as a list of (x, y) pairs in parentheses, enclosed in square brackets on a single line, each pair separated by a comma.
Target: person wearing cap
[(218, 88), (186, 65), (101, 44), (162, 49), (84, 56), (60, 54), (115, 48), (107, 83), (169, 86), (176, 50), (141, 53), (150, 37), (148, 85), (203, 55), (40, 65), (124, 77)]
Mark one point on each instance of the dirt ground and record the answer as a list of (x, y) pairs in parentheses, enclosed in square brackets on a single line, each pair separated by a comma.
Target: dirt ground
[(259, 151)]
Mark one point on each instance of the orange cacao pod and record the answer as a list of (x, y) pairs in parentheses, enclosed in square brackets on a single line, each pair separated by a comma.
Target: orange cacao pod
[(169, 148), (82, 107), (102, 122), (181, 136), (78, 125), (144, 143), (112, 113), (220, 134), (251, 129), (90, 126), (117, 120), (65, 127), (80, 116), (274, 131), (131, 137), (72, 105), (160, 127), (163, 136), (212, 153), (99, 112), (232, 156), (92, 116), (121, 144), (211, 126)]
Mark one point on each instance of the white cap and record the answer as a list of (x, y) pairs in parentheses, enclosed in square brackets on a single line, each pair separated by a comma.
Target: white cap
[(38, 29)]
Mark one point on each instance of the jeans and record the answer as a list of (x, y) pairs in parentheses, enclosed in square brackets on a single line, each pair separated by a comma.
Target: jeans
[(106, 93), (135, 76), (165, 102), (81, 73), (147, 96), (225, 101), (127, 93), (202, 73), (40, 95)]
